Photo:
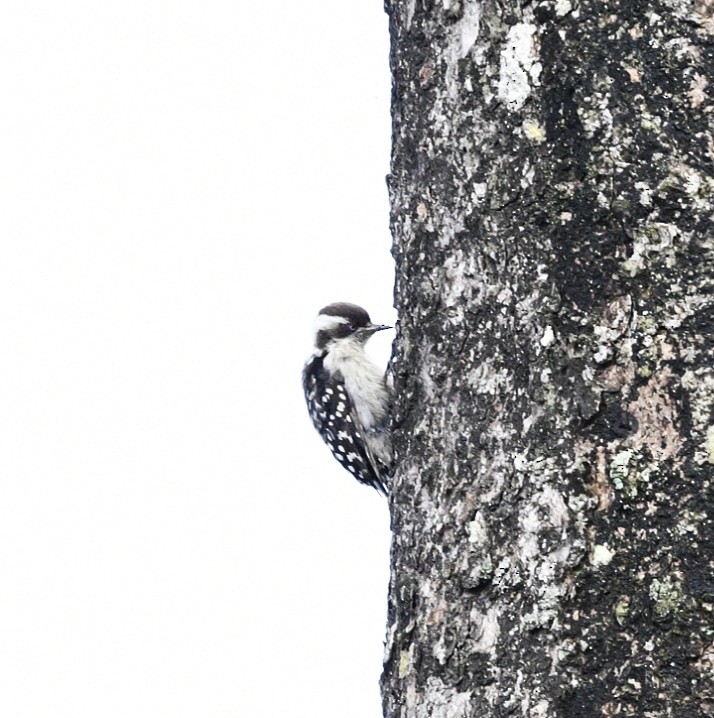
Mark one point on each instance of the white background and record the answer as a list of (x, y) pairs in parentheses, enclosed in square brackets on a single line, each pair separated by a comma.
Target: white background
[(182, 186)]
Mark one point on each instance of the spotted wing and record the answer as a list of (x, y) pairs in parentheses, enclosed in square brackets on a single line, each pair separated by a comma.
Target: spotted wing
[(334, 418)]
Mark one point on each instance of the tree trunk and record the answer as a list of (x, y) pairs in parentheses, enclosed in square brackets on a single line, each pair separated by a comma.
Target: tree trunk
[(552, 194)]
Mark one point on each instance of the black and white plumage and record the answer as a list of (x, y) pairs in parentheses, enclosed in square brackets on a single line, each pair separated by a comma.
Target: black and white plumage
[(347, 396)]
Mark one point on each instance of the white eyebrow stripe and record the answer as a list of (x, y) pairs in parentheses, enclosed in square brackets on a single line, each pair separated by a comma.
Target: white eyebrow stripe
[(327, 321)]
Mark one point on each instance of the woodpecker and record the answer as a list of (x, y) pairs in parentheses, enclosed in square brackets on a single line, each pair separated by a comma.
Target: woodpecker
[(346, 393)]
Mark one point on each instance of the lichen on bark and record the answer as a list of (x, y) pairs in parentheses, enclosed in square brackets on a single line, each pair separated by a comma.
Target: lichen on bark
[(551, 195)]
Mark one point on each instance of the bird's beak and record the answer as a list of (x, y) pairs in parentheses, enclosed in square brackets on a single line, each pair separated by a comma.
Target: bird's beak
[(373, 329)]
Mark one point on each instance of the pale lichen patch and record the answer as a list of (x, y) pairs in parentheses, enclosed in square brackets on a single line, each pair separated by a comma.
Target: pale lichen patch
[(478, 530), (404, 662), (631, 472), (462, 37), (533, 130), (619, 468), (622, 609), (696, 90), (519, 66), (703, 14), (633, 74), (655, 237), (548, 337), (709, 446), (601, 555), (563, 7), (442, 701), (667, 596), (486, 630)]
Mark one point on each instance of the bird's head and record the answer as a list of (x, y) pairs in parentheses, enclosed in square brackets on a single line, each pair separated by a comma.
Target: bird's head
[(343, 322)]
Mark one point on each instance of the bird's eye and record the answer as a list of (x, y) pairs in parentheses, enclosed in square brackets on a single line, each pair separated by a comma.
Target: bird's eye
[(351, 327)]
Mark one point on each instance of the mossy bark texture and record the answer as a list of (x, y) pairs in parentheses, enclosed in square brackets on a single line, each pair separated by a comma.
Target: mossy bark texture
[(552, 198)]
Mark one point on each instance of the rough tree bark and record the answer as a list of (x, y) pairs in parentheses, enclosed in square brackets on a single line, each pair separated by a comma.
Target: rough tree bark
[(552, 194)]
